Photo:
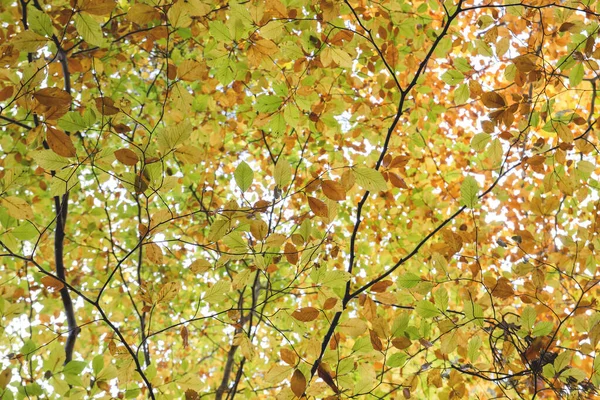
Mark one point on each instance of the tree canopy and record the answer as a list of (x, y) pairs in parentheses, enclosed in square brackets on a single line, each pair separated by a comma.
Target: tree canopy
[(292, 199)]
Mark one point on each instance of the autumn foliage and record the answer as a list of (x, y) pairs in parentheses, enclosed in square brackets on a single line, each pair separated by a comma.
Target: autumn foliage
[(293, 199)]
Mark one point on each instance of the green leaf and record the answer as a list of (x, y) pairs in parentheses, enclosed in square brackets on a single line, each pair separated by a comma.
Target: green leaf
[(542, 328), (461, 94), (219, 31), (441, 299), (427, 310), (528, 317), (480, 140), (268, 104), (39, 22), (408, 280), (453, 77), (218, 229), (282, 173), (89, 29), (72, 122), (576, 74), (218, 292), (97, 364), (25, 231), (173, 136), (74, 367), (468, 192), (396, 360), (370, 179), (473, 348), (244, 176)]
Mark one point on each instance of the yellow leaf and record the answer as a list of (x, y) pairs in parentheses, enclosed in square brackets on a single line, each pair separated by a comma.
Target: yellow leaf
[(17, 208)]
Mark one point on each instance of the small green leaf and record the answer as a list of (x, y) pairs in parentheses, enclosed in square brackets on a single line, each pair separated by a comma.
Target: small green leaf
[(218, 292), (219, 31), (473, 349), (453, 77), (480, 140), (441, 299), (427, 310), (528, 317), (576, 74), (542, 328), (268, 104), (468, 192), (243, 176), (89, 29), (169, 138), (370, 179), (396, 360), (39, 22), (408, 280), (461, 94), (218, 229), (282, 173)]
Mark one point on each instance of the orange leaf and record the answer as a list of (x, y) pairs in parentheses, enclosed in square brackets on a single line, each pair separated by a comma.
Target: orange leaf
[(126, 156), (306, 314), (333, 190), (298, 383), (318, 207), (52, 282), (288, 356), (154, 253), (381, 286), (330, 303), (60, 142), (53, 97), (291, 253), (492, 100), (397, 181), (503, 289)]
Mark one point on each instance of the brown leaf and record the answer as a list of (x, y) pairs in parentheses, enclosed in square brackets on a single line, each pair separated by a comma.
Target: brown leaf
[(348, 179), (401, 342), (184, 336), (306, 314), (324, 374), (98, 7), (53, 97), (52, 282), (333, 190), (375, 341), (60, 142), (503, 289), (288, 356), (291, 253), (318, 207), (397, 181), (6, 93), (191, 394), (141, 14), (298, 383), (524, 63), (154, 253), (330, 303), (126, 156), (566, 26), (106, 106), (492, 100), (381, 286)]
